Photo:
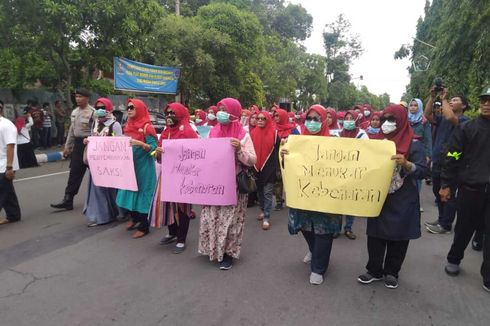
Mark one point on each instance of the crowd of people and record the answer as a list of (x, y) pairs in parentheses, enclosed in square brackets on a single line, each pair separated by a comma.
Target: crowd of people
[(437, 141)]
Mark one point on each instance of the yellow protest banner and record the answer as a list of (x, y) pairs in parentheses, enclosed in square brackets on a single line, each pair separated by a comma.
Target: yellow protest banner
[(337, 175)]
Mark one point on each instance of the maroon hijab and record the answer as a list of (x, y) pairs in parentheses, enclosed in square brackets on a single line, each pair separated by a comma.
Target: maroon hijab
[(403, 134)]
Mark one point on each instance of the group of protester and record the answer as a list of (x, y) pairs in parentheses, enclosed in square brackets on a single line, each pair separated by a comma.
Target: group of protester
[(460, 169)]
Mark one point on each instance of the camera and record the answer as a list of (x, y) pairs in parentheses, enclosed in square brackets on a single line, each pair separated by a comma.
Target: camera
[(438, 84)]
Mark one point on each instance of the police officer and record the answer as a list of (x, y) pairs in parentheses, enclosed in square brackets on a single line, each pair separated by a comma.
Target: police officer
[(81, 123), (467, 167)]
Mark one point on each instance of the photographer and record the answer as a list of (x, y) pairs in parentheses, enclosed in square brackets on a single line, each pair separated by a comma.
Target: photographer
[(452, 115)]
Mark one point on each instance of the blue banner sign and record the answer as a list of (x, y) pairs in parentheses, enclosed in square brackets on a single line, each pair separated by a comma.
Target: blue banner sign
[(140, 77)]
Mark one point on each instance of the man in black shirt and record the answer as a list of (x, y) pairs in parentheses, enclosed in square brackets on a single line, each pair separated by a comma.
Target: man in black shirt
[(467, 167)]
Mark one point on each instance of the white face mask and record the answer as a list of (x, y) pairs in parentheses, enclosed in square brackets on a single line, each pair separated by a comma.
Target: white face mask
[(211, 116), (388, 127)]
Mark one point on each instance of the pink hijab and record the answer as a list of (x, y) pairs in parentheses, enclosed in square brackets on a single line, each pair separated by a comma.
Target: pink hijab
[(234, 128)]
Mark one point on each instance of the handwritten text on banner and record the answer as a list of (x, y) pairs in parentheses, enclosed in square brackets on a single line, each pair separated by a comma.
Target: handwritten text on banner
[(199, 171), (111, 162), (338, 175)]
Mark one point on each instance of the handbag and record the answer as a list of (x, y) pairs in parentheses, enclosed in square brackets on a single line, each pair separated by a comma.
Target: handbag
[(245, 181)]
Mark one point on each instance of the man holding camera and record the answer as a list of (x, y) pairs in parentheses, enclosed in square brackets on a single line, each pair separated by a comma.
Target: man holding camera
[(8, 166), (80, 128), (467, 167), (452, 115)]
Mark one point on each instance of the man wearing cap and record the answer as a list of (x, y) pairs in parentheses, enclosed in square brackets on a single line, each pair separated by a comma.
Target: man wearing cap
[(452, 115), (467, 167), (80, 128), (8, 166)]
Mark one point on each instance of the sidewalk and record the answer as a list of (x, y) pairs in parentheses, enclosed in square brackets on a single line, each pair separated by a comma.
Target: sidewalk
[(52, 154)]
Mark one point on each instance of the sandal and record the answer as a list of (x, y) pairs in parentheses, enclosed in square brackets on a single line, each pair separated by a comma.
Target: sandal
[(139, 234), (350, 235), (260, 217), (131, 226), (4, 221)]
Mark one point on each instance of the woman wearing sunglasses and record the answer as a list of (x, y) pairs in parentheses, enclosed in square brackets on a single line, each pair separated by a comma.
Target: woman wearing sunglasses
[(399, 221), (176, 216), (100, 205), (144, 142), (266, 144), (317, 228), (221, 228)]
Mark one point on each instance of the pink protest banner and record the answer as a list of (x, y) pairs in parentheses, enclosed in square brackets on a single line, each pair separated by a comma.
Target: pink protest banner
[(199, 171), (110, 160)]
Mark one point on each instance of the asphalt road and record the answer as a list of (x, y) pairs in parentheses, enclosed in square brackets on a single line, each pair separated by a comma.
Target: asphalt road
[(56, 271)]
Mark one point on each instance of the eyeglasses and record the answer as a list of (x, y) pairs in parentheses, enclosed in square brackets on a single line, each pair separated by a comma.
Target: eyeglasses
[(100, 107), (484, 99), (130, 107), (170, 113), (388, 118), (316, 119), (261, 118)]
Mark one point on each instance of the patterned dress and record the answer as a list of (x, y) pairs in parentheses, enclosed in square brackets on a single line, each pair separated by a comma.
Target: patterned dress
[(221, 228)]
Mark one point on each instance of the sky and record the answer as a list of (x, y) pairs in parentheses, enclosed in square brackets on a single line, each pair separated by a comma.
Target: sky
[(383, 26)]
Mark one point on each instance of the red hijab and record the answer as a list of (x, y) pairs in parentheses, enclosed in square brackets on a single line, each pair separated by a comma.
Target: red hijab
[(212, 122), (234, 128), (378, 135), (351, 133), (107, 103), (403, 134), (324, 131), (201, 115), (135, 128), (264, 140), (333, 114), (182, 128), (284, 127), (255, 112)]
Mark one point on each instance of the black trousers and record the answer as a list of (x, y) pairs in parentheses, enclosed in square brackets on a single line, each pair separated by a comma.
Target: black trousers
[(8, 199), (180, 230), (473, 214), (385, 257), (320, 246), (60, 136), (77, 168), (447, 210)]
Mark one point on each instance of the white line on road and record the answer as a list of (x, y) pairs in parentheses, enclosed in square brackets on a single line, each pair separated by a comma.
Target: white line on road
[(41, 176)]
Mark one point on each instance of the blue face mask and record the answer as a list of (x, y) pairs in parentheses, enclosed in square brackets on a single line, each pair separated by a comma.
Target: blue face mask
[(372, 130), (223, 117), (100, 113), (313, 126), (349, 124)]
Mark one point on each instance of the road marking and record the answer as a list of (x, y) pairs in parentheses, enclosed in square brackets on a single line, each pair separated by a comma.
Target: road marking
[(41, 176)]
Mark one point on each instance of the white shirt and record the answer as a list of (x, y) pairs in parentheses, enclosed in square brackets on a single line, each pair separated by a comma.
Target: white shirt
[(8, 135), (23, 137)]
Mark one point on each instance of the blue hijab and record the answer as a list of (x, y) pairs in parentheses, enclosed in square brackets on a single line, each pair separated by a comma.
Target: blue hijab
[(417, 116)]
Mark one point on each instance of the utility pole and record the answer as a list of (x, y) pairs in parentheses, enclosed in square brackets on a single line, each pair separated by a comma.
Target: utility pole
[(177, 7)]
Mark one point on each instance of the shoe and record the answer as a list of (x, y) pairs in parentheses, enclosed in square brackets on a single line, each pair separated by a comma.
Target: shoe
[(421, 209), (179, 248), (260, 217), (335, 235), (451, 269), (391, 282), (476, 245), (226, 263), (131, 226), (66, 203), (486, 287), (350, 235), (91, 225), (307, 258), (139, 234), (266, 225), (316, 279), (437, 229), (433, 223), (168, 239), (367, 278), (5, 221), (278, 207)]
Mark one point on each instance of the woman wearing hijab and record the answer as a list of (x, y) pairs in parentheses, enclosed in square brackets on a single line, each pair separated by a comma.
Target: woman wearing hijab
[(144, 142), (374, 129), (100, 204), (317, 228), (244, 120), (200, 118), (333, 124), (340, 118), (174, 215), (351, 129), (284, 129), (266, 144), (221, 228), (252, 119), (399, 220), (25, 148), (367, 114), (211, 116)]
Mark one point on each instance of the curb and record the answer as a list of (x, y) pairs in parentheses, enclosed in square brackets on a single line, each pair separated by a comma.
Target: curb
[(49, 157)]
